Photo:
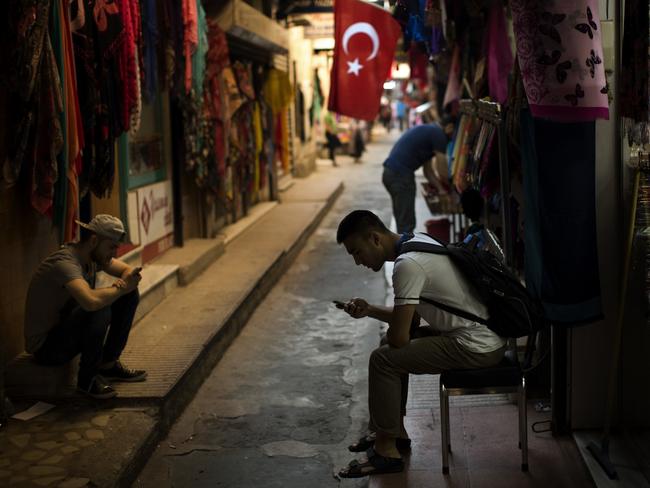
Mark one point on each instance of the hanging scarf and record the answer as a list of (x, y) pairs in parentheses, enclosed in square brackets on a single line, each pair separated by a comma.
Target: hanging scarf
[(499, 55), (199, 55), (560, 53), (35, 135), (190, 37), (150, 39)]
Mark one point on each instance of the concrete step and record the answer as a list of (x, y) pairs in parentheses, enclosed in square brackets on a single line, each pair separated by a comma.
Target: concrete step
[(231, 232), (25, 378), (158, 281), (285, 183), (182, 339), (193, 258), (133, 257)]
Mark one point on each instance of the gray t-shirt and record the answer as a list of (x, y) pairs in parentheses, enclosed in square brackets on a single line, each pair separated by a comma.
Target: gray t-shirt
[(48, 298)]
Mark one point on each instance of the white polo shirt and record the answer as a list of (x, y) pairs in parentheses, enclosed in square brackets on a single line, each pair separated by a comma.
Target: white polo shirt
[(434, 276)]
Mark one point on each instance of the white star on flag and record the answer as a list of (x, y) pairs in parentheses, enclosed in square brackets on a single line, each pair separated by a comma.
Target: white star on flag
[(354, 67)]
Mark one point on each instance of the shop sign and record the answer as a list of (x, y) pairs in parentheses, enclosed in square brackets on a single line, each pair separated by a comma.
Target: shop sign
[(291, 7), (320, 26), (155, 212)]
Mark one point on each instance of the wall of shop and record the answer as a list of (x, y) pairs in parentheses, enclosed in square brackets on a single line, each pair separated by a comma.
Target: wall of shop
[(592, 345), (301, 60), (27, 238)]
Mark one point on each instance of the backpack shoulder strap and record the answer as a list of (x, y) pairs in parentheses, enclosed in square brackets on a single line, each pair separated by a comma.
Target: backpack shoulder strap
[(455, 311), (431, 248)]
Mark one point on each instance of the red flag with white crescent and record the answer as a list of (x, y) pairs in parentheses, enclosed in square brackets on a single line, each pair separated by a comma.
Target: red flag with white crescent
[(366, 37)]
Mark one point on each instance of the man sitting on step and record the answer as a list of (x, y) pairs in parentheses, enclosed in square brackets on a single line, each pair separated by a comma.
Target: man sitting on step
[(66, 315)]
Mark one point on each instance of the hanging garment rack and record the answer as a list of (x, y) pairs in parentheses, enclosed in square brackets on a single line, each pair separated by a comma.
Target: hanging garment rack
[(494, 113)]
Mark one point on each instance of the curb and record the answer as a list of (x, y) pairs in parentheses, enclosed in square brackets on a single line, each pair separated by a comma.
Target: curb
[(182, 393)]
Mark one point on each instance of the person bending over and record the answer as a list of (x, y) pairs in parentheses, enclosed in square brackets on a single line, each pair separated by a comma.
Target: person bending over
[(415, 148)]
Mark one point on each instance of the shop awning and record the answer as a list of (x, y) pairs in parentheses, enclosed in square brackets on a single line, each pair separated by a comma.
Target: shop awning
[(243, 22)]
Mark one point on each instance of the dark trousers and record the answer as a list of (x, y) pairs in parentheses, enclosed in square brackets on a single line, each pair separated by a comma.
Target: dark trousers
[(332, 143), (84, 332), (402, 192)]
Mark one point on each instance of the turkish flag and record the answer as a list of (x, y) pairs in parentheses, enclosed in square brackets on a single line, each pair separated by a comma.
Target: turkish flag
[(366, 37)]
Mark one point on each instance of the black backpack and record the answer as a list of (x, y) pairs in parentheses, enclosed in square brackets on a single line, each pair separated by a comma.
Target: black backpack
[(513, 311)]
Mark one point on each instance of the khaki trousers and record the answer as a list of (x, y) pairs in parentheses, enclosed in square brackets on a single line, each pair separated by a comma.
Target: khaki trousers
[(389, 368)]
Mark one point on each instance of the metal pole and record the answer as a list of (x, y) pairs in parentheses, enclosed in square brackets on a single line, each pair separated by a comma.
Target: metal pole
[(601, 452), (504, 170), (177, 169), (3, 410)]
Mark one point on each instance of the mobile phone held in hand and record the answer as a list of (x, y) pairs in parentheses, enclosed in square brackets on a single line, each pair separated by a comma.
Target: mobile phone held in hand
[(338, 303), (137, 270)]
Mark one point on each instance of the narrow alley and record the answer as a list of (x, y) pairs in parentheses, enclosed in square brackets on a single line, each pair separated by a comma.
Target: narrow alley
[(289, 395)]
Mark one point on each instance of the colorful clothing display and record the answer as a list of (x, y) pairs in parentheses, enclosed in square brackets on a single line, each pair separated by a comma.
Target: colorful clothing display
[(150, 39), (190, 37), (199, 55), (81, 72), (454, 89), (277, 90), (561, 58), (499, 55)]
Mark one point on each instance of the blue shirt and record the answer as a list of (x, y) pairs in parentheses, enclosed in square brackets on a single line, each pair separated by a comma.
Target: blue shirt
[(415, 147), (401, 109)]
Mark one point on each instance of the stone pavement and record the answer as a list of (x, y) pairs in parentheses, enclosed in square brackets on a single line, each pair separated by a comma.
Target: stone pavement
[(86, 443), (289, 394)]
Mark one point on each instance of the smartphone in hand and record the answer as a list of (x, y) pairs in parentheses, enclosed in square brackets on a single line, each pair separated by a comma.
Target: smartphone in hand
[(339, 304), (137, 270)]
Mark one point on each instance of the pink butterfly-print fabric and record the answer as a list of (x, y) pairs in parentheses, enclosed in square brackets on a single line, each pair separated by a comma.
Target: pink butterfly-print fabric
[(560, 54)]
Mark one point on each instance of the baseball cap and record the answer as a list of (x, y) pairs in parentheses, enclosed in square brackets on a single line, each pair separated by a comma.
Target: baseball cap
[(106, 226)]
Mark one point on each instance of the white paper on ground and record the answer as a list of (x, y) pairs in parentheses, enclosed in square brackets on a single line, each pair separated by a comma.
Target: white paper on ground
[(34, 411)]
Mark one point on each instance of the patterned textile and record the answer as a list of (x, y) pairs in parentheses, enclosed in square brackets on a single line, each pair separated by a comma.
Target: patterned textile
[(499, 55), (128, 62), (35, 135), (199, 56), (244, 79), (217, 61), (97, 46), (150, 39), (277, 90), (190, 37), (74, 127), (560, 54)]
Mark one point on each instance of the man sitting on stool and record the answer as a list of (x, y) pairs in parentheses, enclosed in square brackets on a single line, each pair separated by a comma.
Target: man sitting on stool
[(66, 315)]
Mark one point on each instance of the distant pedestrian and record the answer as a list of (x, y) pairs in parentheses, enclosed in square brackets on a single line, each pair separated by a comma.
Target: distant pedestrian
[(415, 148), (331, 133), (401, 115), (386, 116), (357, 142)]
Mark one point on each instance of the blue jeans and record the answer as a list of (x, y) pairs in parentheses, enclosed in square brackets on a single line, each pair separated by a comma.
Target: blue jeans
[(80, 331), (401, 188)]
